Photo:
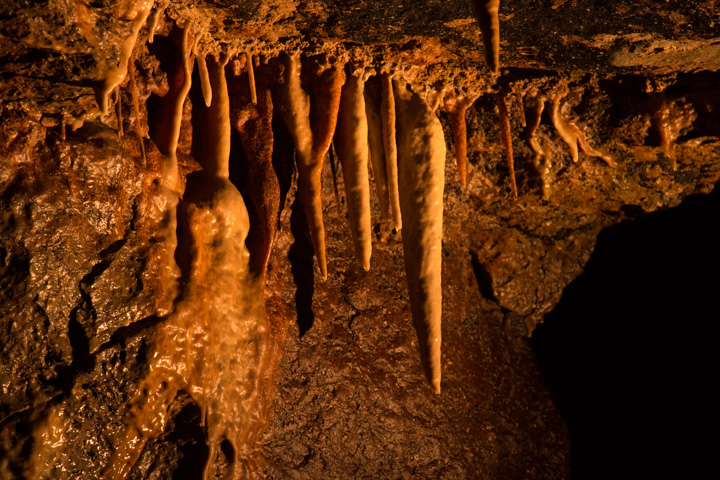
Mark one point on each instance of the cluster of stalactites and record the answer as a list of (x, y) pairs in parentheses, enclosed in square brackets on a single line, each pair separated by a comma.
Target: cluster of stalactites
[(360, 115), (487, 17), (375, 123), (215, 343), (369, 120)]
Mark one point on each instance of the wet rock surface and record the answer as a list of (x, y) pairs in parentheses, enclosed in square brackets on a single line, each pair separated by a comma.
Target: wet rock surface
[(85, 280)]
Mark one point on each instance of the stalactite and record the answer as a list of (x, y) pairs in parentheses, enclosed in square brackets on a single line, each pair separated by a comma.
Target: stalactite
[(457, 106), (486, 14), (521, 107), (153, 23), (324, 106), (541, 160), (668, 118), (505, 133), (212, 150), (204, 78), (373, 101), (572, 135), (138, 12), (311, 144), (421, 164), (165, 130), (387, 113), (118, 111), (296, 110), (136, 110), (251, 77), (351, 144)]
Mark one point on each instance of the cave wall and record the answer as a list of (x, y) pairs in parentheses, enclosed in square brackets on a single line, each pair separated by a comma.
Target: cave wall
[(91, 277)]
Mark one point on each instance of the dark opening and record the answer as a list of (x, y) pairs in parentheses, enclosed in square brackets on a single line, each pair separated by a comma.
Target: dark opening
[(631, 352)]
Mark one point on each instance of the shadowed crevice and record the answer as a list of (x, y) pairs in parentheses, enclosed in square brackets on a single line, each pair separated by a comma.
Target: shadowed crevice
[(630, 352), (283, 163), (301, 261), (482, 277), (181, 451)]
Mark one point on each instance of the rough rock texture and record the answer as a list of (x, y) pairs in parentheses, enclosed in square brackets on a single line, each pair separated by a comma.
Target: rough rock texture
[(85, 279)]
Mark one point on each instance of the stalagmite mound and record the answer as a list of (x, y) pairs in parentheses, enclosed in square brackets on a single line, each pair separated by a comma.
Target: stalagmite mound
[(310, 239)]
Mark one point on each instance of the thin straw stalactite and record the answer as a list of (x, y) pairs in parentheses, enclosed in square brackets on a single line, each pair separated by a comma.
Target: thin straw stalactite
[(387, 115), (504, 118), (118, 111), (136, 109), (521, 108), (333, 168), (457, 107), (251, 77)]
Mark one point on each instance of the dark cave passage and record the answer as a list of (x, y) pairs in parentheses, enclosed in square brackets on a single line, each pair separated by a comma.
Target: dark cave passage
[(631, 351)]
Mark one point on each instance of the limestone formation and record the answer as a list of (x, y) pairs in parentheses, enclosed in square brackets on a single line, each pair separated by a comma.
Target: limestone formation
[(159, 305)]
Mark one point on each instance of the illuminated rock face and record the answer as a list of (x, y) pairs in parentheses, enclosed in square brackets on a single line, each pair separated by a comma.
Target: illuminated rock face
[(148, 277)]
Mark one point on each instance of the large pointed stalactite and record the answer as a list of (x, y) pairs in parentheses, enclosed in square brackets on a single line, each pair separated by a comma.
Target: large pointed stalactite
[(421, 172), (351, 144), (311, 123)]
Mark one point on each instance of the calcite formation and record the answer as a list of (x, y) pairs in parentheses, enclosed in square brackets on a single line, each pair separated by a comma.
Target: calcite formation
[(487, 14), (146, 288), (421, 177)]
